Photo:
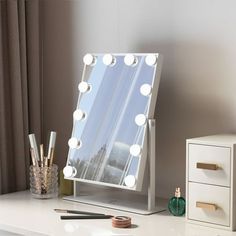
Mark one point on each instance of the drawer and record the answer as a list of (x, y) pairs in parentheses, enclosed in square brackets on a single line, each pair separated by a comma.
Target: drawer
[(209, 203), (209, 164)]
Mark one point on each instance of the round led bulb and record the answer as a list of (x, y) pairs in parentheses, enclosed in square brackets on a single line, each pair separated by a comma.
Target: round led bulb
[(130, 60), (69, 171), (89, 60), (146, 89), (78, 114), (135, 150), (140, 119), (84, 87), (151, 59), (74, 143), (109, 60), (130, 181)]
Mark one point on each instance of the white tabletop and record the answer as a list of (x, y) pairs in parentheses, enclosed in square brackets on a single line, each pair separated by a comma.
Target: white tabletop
[(23, 215)]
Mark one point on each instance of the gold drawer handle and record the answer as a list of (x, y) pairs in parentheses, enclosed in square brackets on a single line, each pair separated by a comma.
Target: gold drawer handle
[(206, 166), (205, 205)]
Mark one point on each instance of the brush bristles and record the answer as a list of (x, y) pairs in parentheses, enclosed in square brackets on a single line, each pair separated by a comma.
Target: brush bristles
[(61, 210)]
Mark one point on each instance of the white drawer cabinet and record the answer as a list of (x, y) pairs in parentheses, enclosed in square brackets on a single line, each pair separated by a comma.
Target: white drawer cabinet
[(211, 181)]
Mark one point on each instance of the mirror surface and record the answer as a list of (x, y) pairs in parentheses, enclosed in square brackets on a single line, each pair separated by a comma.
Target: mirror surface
[(109, 126)]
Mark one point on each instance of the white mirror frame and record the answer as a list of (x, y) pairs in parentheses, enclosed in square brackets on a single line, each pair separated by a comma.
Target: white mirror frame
[(131, 60)]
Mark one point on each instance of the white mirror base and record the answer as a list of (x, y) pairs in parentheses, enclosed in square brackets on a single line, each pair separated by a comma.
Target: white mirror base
[(136, 204)]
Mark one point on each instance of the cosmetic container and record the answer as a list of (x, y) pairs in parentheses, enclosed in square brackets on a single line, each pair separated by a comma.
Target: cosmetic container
[(177, 204), (44, 181)]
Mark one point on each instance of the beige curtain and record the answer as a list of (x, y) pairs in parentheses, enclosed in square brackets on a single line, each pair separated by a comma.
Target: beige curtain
[(20, 89)]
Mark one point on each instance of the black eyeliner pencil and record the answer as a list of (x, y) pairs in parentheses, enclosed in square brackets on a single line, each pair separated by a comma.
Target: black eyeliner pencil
[(88, 217)]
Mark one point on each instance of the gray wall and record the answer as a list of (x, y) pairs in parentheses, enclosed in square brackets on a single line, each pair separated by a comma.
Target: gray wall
[(197, 90)]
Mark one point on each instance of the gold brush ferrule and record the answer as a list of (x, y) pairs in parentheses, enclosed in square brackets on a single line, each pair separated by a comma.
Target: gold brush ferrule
[(61, 210)]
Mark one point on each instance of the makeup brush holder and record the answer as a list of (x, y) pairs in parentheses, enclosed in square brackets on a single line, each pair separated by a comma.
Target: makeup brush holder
[(44, 181)]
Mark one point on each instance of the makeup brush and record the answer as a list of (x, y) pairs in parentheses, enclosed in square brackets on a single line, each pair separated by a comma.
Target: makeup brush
[(78, 212), (86, 217), (51, 146), (41, 155)]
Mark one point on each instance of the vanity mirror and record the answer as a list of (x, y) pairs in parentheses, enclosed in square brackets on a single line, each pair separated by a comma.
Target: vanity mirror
[(117, 97)]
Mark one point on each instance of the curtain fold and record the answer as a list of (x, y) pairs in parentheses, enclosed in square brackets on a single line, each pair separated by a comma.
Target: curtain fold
[(20, 89)]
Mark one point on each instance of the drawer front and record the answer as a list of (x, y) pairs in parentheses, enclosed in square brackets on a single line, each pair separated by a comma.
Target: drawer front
[(209, 203), (209, 164)]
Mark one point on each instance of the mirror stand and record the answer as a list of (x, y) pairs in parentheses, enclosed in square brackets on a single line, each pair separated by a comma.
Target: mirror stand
[(127, 201)]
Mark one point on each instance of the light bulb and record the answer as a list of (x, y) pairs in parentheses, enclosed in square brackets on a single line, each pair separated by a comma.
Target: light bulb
[(140, 119), (130, 181), (109, 60), (135, 150), (74, 143), (151, 59), (84, 87), (130, 60), (78, 114), (89, 60), (69, 171), (146, 89)]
